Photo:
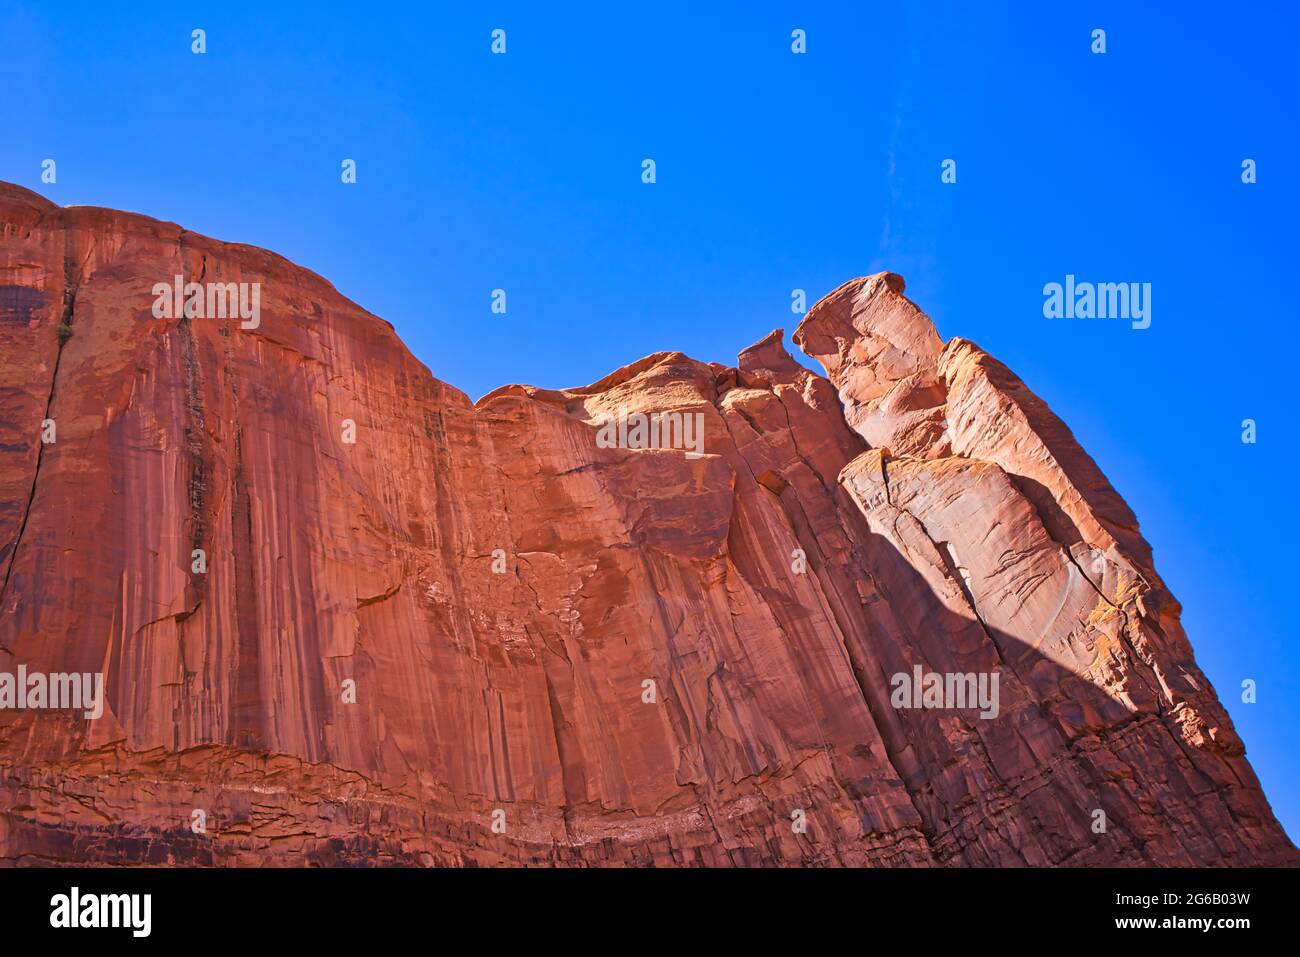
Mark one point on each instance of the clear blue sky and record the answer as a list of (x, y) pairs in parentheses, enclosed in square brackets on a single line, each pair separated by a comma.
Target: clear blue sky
[(775, 172)]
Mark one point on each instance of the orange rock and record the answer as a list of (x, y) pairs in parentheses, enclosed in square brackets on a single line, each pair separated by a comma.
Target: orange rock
[(476, 634)]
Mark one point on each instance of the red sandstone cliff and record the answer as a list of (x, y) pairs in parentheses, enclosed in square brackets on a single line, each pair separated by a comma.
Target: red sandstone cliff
[(946, 517)]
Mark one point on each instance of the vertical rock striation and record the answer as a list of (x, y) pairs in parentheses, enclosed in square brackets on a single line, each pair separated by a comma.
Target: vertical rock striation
[(636, 655)]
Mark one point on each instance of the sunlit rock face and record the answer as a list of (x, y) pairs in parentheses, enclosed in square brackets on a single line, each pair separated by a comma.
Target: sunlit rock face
[(688, 615)]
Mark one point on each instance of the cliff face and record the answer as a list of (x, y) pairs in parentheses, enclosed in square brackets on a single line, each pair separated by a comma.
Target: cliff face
[(563, 652)]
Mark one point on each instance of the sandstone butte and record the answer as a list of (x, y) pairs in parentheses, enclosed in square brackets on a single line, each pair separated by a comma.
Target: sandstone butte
[(947, 518)]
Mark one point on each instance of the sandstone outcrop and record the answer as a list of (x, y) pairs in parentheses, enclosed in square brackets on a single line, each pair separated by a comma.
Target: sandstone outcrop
[(475, 635)]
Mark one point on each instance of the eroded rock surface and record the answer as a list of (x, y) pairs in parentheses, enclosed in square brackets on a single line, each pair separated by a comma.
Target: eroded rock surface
[(499, 589)]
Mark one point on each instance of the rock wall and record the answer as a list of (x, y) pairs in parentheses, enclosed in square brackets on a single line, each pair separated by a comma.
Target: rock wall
[(562, 652)]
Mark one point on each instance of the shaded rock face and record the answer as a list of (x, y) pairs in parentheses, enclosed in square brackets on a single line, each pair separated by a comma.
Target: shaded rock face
[(477, 635)]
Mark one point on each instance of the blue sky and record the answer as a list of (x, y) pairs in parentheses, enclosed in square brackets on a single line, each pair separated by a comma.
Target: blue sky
[(775, 172)]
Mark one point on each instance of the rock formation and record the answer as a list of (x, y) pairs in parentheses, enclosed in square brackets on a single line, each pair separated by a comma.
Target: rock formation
[(475, 635)]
